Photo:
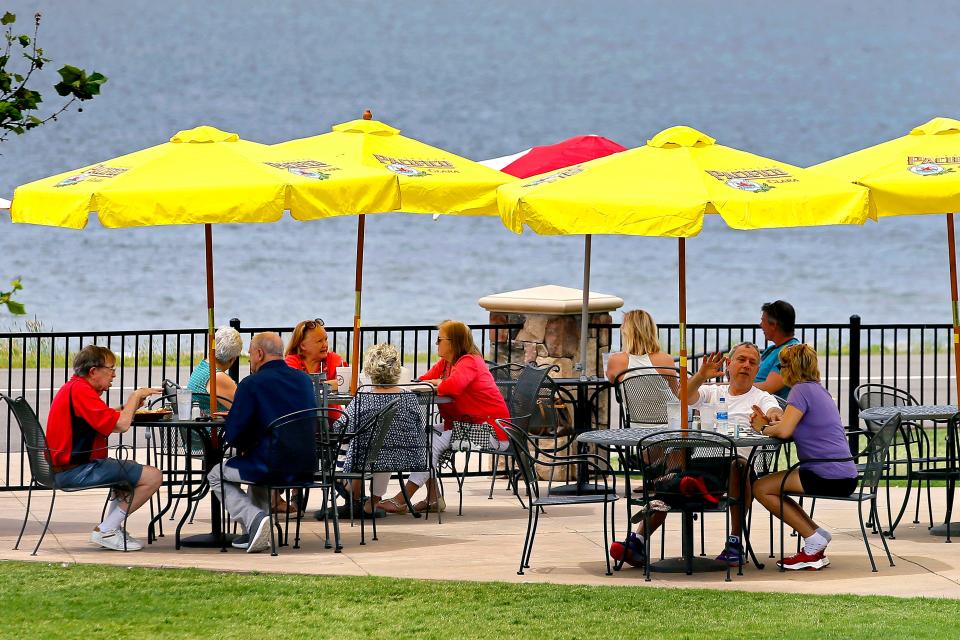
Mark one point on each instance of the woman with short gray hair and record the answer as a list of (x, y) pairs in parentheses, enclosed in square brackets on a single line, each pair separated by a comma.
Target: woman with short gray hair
[(405, 447), (228, 347)]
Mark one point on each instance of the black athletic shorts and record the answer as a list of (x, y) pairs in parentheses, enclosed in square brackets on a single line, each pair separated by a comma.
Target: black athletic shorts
[(834, 487)]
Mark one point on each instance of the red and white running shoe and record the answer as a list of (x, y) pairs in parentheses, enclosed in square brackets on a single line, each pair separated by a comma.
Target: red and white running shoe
[(805, 561)]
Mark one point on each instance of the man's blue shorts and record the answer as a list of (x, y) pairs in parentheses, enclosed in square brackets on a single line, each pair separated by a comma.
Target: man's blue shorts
[(105, 471)]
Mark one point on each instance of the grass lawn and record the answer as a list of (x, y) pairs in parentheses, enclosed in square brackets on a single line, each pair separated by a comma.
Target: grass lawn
[(52, 601)]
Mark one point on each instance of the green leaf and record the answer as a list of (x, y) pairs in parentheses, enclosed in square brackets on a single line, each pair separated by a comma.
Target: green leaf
[(8, 18), (16, 308), (24, 40)]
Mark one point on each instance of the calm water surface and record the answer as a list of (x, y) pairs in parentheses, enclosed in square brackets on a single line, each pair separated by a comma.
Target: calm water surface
[(799, 83)]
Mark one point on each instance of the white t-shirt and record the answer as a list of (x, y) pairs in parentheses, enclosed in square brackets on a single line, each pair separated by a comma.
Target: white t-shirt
[(739, 408)]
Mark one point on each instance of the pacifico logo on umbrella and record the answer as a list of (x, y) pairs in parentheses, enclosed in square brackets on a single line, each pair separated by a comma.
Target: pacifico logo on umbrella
[(926, 166), (306, 168), (99, 173), (559, 175), (413, 167), (747, 179)]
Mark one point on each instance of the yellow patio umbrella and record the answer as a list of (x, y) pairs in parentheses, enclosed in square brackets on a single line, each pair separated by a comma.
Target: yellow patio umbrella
[(912, 175), (430, 180), (201, 176), (665, 188)]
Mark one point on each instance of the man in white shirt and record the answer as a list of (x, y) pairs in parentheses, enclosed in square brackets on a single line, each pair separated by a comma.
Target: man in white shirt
[(741, 397), (742, 364)]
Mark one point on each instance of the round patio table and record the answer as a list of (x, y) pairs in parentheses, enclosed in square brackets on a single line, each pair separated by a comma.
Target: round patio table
[(627, 438), (918, 413)]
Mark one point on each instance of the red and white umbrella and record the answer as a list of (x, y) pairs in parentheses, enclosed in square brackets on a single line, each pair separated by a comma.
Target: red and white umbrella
[(551, 157)]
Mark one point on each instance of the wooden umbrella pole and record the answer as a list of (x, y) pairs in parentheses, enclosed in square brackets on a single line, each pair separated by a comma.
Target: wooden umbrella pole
[(211, 330), (951, 242), (681, 255), (355, 355)]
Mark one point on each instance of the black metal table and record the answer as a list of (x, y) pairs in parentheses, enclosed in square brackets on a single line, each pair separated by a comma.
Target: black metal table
[(919, 413), (211, 457), (629, 438), (584, 403)]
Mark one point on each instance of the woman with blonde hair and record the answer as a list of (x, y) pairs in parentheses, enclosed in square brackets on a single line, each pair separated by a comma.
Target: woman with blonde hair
[(641, 347), (309, 351), (475, 404), (813, 422)]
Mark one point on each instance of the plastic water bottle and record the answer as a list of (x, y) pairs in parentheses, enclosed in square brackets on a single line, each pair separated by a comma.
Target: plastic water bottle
[(722, 423)]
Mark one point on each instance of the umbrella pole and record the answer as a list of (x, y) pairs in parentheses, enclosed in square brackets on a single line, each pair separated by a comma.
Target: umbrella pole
[(355, 356), (211, 331), (682, 260), (951, 243), (585, 308)]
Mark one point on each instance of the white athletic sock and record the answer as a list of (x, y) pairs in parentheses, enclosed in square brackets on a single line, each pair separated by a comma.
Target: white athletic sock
[(114, 520), (815, 543), (825, 534)]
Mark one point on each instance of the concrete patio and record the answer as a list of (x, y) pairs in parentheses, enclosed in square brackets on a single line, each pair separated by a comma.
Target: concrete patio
[(484, 544)]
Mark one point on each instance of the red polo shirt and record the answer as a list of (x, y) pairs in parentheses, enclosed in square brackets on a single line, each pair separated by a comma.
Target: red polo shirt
[(82, 437)]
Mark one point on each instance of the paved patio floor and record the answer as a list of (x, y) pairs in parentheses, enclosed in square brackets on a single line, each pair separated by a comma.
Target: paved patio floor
[(484, 544)]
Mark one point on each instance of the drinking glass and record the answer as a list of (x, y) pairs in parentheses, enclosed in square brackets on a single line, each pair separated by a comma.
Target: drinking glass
[(708, 416), (673, 414), (184, 403)]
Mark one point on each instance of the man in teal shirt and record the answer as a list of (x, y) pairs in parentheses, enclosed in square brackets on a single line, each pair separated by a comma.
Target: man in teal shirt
[(777, 322)]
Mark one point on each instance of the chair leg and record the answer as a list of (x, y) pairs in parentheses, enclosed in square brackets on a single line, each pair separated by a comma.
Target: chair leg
[(606, 535), (703, 549), (526, 542), (493, 474), (373, 514), (53, 497), (26, 516), (533, 535), (727, 537), (863, 531), (461, 478), (886, 547)]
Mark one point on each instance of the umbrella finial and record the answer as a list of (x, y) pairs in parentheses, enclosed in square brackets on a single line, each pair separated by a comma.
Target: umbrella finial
[(367, 114)]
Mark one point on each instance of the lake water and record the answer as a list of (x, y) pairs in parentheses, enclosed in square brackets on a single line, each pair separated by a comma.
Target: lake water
[(798, 83)]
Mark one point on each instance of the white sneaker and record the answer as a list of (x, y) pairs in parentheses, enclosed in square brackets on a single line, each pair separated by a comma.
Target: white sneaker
[(259, 534), (114, 540)]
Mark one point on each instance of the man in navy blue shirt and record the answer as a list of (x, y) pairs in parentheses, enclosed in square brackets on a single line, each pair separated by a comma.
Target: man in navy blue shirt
[(271, 391)]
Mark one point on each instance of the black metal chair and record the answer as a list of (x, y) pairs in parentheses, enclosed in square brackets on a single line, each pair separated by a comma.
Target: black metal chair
[(369, 438), (643, 394), (536, 501), (41, 469), (665, 459), (875, 454), (291, 453), (522, 391), (911, 445)]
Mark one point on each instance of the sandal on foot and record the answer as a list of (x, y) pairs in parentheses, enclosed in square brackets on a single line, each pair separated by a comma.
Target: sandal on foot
[(390, 505), (431, 507)]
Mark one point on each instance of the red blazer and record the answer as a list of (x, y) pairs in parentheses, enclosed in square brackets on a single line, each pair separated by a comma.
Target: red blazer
[(475, 395), (330, 364)]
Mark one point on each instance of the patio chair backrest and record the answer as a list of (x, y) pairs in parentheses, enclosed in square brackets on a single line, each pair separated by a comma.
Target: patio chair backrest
[(291, 444), (526, 394), (520, 441), (878, 447), (375, 431), (38, 454), (667, 456), (505, 376), (643, 394), (874, 394)]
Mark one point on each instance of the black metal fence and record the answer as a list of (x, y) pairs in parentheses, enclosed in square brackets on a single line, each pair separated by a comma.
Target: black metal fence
[(914, 357)]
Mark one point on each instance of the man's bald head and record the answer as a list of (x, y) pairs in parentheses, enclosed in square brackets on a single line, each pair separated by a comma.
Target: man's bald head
[(265, 347)]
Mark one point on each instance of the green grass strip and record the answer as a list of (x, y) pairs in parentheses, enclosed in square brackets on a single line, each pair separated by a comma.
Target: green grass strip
[(54, 601)]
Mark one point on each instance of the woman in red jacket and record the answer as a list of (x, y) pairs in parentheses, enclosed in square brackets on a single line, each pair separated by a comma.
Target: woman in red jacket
[(309, 351), (476, 404)]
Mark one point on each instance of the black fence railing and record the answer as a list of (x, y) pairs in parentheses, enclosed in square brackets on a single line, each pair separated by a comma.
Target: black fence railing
[(913, 357), (36, 364)]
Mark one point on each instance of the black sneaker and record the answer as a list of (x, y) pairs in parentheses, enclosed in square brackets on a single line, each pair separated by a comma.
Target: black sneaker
[(241, 542)]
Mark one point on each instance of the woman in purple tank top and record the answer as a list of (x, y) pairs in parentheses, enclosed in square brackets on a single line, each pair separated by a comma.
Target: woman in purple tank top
[(813, 422)]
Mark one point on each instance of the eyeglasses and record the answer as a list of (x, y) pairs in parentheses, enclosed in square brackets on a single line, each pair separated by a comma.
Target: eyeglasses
[(113, 369), (440, 339), (313, 324)]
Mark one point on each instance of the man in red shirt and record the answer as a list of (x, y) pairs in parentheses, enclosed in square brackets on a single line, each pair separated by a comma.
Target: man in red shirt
[(77, 430)]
